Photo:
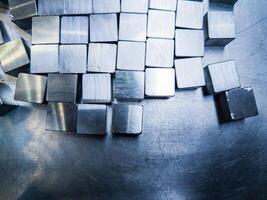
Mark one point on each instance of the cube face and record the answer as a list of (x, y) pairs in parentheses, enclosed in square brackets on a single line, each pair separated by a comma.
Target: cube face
[(133, 6), (184, 37), (127, 119), (102, 57), (129, 85), (163, 4), (103, 28), (92, 119), (160, 53), (190, 14), (61, 117), (189, 73), (160, 83), (62, 88), (161, 24), (72, 59), (30, 88), (72, 7), (44, 59), (50, 7), (131, 56), (106, 6), (74, 30), (22, 9), (96, 88), (45, 30), (133, 27)]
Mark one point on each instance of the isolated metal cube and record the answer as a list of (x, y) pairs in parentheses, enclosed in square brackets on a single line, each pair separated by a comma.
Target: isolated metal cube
[(7, 102), (133, 6), (30, 88), (74, 7), (106, 6), (22, 9), (163, 4), (159, 52), (50, 7)]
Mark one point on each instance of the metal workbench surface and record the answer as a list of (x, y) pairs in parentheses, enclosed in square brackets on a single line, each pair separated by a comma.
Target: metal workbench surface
[(183, 153)]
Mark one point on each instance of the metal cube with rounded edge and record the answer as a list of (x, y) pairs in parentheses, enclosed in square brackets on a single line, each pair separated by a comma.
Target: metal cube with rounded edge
[(133, 6), (163, 4), (106, 6)]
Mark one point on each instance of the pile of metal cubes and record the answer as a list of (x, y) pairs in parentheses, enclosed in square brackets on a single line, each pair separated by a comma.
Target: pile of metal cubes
[(91, 55)]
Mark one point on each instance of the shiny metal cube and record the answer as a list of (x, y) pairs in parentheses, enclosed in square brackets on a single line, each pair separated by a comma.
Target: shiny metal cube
[(74, 7), (106, 6), (50, 7), (7, 102), (133, 6), (163, 4), (22, 9)]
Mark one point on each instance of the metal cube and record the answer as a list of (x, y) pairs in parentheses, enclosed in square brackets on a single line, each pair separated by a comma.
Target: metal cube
[(159, 52), (45, 30), (102, 57), (103, 28), (51, 7), (221, 77), (72, 59), (131, 56), (61, 117), (106, 6), (62, 88), (133, 27), (74, 30), (92, 119), (189, 14), (30, 88), (189, 73), (44, 59), (7, 102), (22, 9), (96, 88), (74, 7), (184, 37), (163, 4), (160, 83), (161, 24), (133, 6), (129, 85), (127, 119)]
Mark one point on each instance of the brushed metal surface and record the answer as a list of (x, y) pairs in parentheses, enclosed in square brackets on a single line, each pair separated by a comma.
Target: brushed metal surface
[(74, 30), (30, 88), (103, 28), (185, 37), (73, 7), (106, 6), (61, 117), (129, 85), (133, 6), (96, 88), (189, 14), (163, 4), (45, 30), (44, 59), (102, 57), (189, 73), (22, 9), (127, 119), (51, 7), (160, 82), (159, 52), (13, 55), (62, 88), (92, 119), (131, 55), (7, 102), (72, 59), (133, 27), (161, 24)]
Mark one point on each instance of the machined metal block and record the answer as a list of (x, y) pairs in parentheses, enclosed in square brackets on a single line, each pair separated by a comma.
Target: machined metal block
[(13, 56), (72, 59), (106, 6), (62, 88), (30, 88), (44, 59), (61, 117), (230, 2), (163, 4), (236, 104), (133, 6), (129, 85), (96, 88), (102, 57), (189, 14), (74, 7), (7, 102), (45, 30), (161, 24), (92, 119), (133, 27), (22, 9), (189, 73), (51, 7), (74, 30), (131, 55), (221, 77), (127, 119), (159, 52), (160, 82), (103, 28), (184, 37)]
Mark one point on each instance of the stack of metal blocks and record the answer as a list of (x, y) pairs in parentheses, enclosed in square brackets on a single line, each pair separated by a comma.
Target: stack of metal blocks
[(89, 55)]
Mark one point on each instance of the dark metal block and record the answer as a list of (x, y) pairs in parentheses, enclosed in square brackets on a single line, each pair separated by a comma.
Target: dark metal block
[(22, 9), (7, 102), (230, 2)]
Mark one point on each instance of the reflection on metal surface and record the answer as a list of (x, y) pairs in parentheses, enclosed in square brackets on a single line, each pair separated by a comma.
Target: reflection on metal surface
[(133, 6), (7, 102), (21, 9), (61, 117), (106, 6), (163, 4)]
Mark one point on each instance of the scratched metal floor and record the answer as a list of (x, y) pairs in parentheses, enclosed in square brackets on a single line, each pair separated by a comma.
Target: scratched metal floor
[(183, 153)]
